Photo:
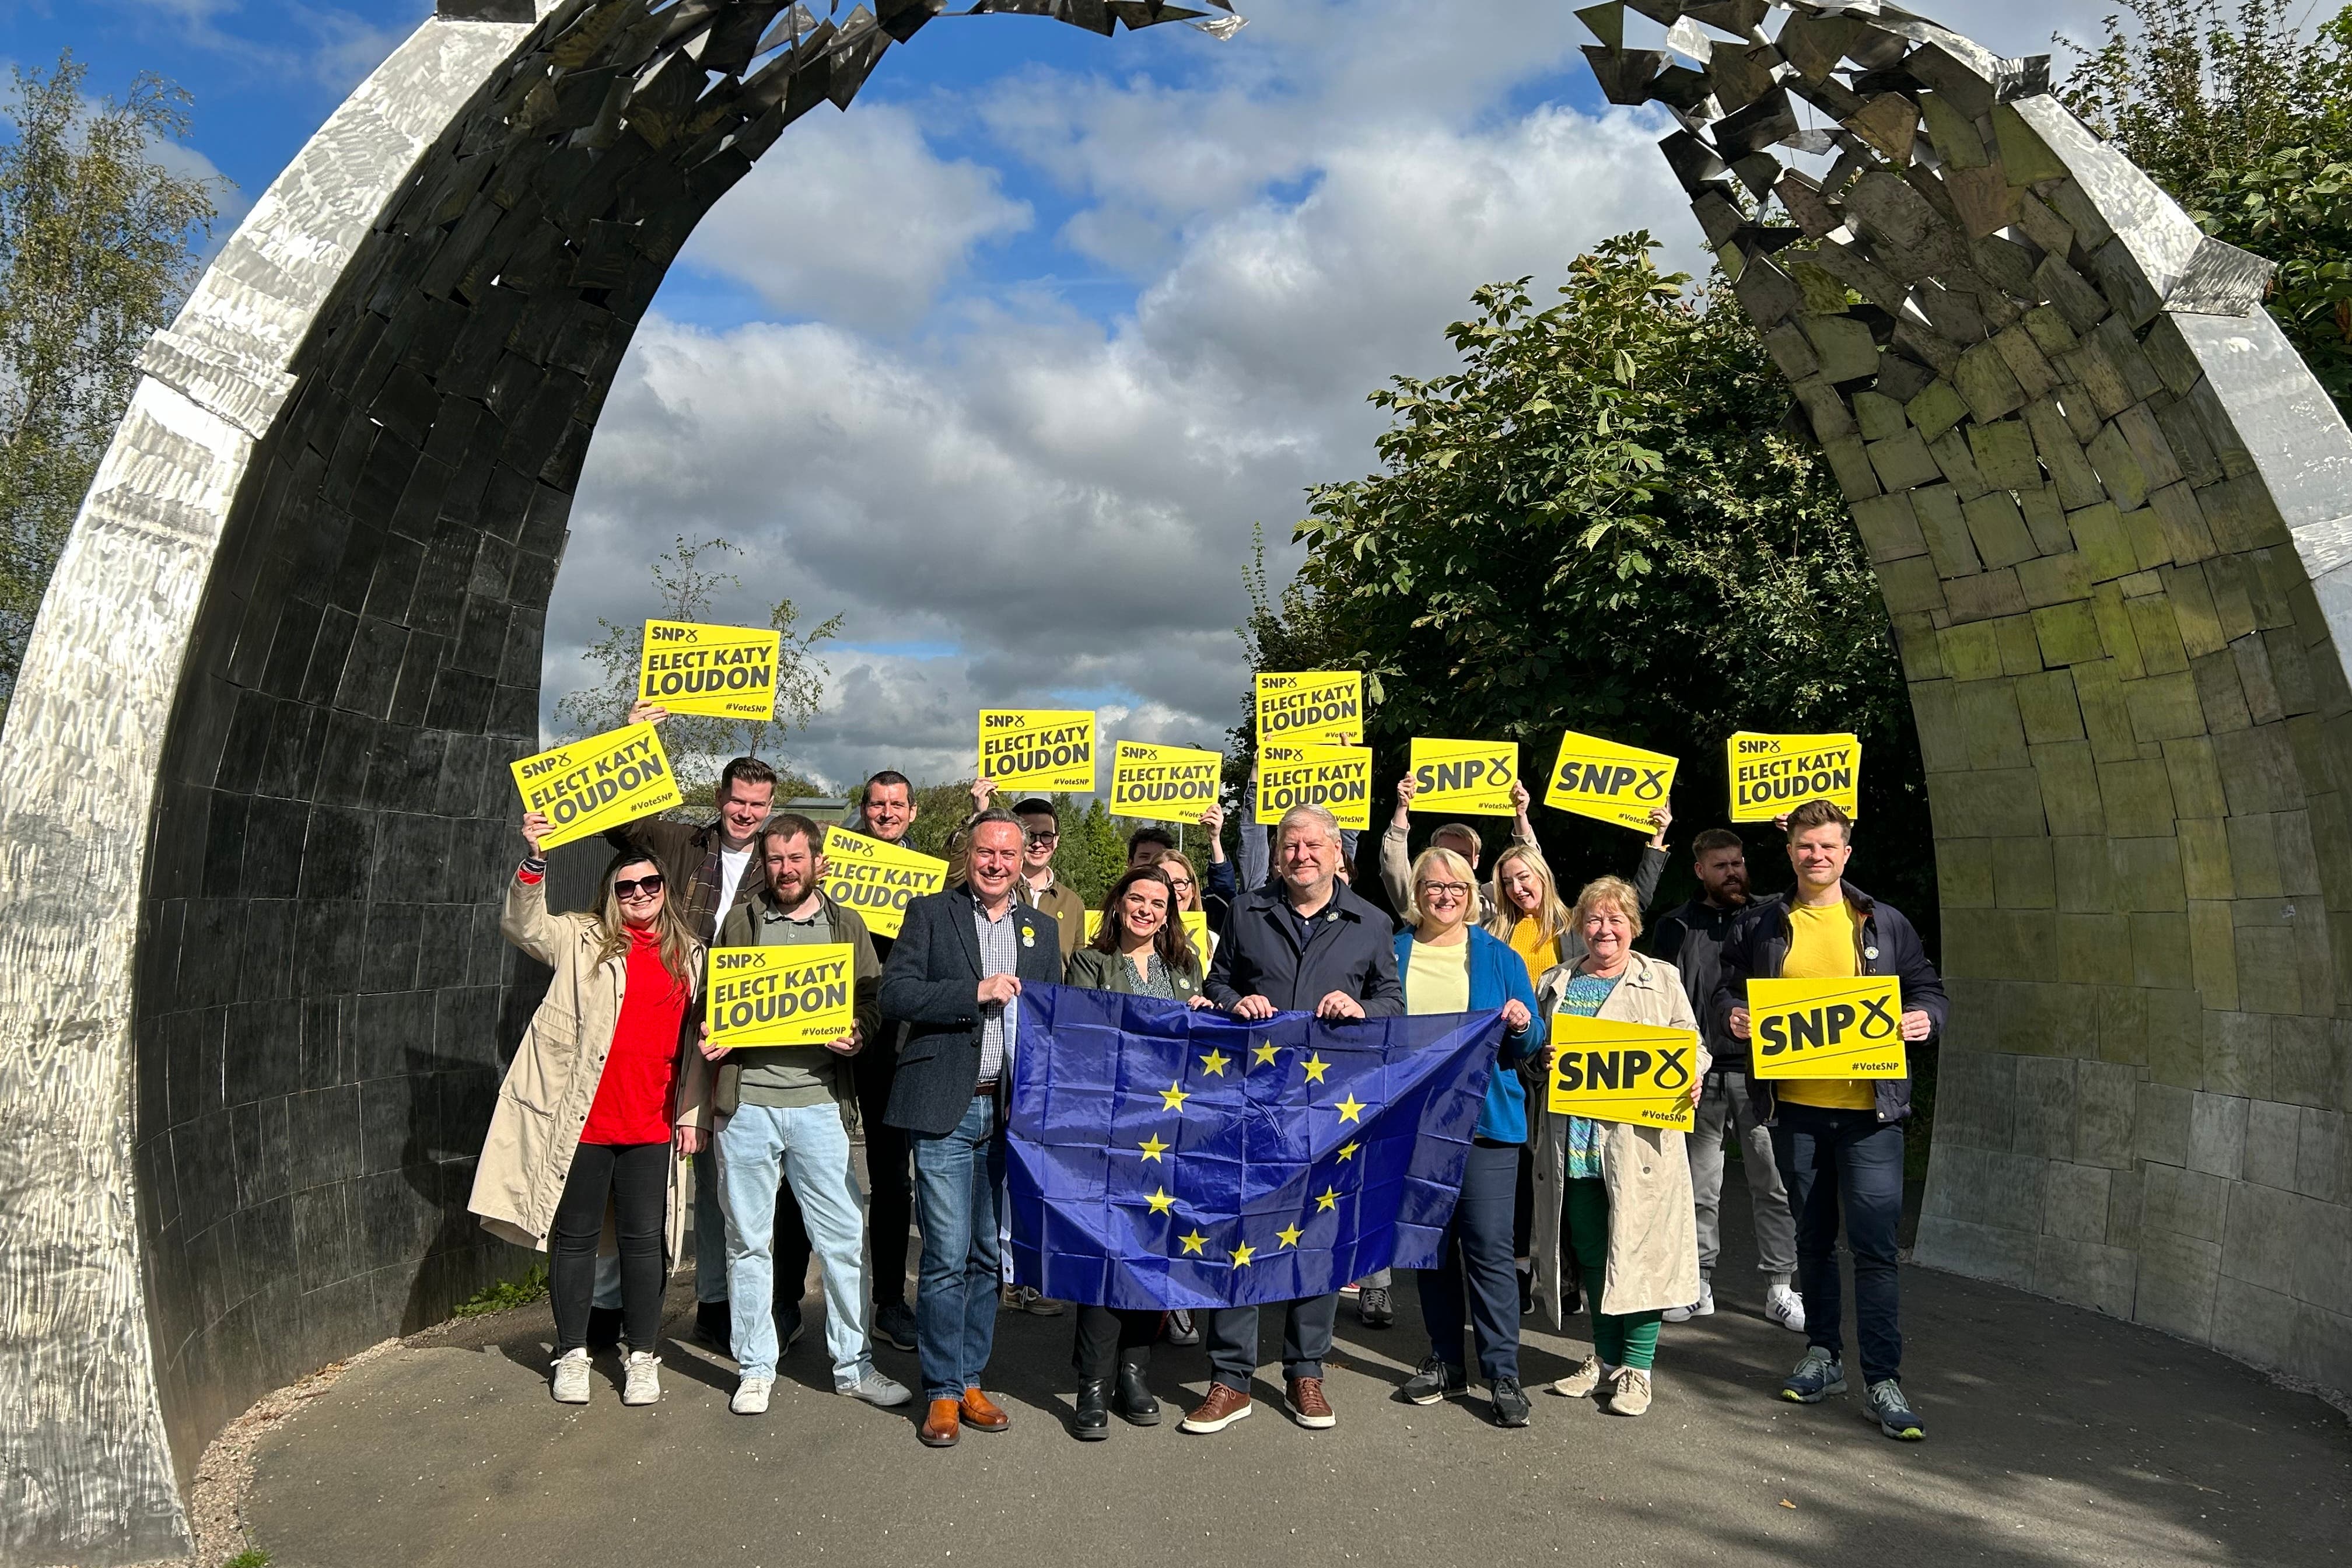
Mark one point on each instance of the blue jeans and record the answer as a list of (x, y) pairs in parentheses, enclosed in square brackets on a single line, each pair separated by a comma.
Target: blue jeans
[(1849, 1161), (1477, 1254), (957, 1176), (808, 1146)]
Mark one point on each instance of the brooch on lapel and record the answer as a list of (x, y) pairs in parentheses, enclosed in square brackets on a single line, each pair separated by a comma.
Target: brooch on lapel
[(1028, 937)]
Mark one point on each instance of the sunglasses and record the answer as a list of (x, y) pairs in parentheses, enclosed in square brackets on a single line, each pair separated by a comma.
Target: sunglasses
[(644, 888)]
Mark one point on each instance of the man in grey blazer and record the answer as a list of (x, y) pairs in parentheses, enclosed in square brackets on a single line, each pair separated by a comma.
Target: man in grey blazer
[(955, 976)]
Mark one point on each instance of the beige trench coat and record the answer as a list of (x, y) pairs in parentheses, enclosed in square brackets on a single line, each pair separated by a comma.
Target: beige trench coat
[(544, 1101), (1652, 1225)]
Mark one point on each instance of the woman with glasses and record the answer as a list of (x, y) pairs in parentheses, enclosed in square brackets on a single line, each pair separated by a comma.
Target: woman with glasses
[(605, 1084), (1449, 965), (1177, 866)]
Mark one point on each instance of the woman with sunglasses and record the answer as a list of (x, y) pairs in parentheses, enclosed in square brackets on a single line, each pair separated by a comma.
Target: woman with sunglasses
[(605, 1084), (1449, 965)]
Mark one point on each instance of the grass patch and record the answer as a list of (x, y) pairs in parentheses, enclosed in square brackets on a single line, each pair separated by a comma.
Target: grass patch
[(251, 1557), (501, 1296)]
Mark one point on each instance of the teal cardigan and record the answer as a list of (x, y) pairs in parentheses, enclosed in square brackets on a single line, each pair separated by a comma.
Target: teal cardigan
[(1496, 975)]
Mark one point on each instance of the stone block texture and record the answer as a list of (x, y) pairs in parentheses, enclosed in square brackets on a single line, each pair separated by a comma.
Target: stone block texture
[(2112, 512)]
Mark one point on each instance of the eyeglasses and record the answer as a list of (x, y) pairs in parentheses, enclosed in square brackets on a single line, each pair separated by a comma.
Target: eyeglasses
[(643, 888), (1451, 890), (1042, 837)]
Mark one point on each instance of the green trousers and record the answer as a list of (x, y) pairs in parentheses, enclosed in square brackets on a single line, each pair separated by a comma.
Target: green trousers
[(1628, 1338)]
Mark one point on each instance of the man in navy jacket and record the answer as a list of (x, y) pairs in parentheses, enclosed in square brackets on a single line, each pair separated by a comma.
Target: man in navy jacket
[(1308, 944)]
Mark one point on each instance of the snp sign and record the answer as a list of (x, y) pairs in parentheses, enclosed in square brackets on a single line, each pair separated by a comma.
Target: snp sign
[(1623, 1072), (1601, 779), (1827, 1029)]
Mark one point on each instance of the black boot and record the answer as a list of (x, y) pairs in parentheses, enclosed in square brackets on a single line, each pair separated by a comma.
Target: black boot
[(1093, 1423), (1136, 1406)]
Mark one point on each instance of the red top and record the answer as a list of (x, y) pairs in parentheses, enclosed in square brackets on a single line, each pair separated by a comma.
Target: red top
[(633, 1098)]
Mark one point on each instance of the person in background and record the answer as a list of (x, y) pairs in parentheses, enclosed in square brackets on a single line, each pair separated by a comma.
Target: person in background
[(955, 975), (1147, 844), (1254, 865), (1396, 867), (1838, 1141), (1691, 939), (782, 1109), (1178, 868), (1217, 892), (601, 1089), (1448, 966), (1615, 1193), (1141, 949)]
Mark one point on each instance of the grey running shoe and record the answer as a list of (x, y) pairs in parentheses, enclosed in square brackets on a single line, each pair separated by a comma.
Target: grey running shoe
[(1372, 1305), (879, 1390), (1886, 1405), (1818, 1376), (1437, 1378)]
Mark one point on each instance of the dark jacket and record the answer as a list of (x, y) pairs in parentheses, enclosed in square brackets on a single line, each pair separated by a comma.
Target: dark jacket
[(1884, 944), (1351, 952), (758, 921), (1691, 939), (1099, 971), (931, 981), (1498, 974), (688, 858)]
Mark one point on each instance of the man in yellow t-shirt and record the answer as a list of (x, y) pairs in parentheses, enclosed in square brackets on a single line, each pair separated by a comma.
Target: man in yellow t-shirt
[(1838, 1141)]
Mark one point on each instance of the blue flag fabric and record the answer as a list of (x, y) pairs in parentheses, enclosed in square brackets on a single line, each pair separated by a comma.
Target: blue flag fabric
[(1162, 1157)]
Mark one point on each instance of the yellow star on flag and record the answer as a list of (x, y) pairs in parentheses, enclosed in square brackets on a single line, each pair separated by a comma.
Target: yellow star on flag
[(1214, 1064), (1316, 1068), (1242, 1254), (1160, 1202), (1288, 1234), (1152, 1147), (1351, 1109), (1194, 1242), (1173, 1098), (1348, 1151), (1328, 1199), (1264, 1051)]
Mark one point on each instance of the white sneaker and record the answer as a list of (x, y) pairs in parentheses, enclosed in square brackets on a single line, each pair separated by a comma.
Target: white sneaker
[(1786, 1307), (571, 1379), (643, 1385), (752, 1396), (1702, 1307), (1589, 1374), (879, 1390)]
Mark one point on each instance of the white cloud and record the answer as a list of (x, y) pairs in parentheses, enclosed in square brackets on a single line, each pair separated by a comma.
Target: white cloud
[(329, 45)]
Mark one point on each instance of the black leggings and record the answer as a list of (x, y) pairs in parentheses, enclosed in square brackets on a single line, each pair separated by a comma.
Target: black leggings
[(636, 1177)]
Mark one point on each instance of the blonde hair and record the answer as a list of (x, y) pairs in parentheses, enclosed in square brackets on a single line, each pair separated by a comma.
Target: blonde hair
[(1191, 877), (1615, 892), (678, 944), (1551, 916), (1440, 859)]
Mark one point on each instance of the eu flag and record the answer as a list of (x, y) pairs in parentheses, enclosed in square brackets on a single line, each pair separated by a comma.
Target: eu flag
[(1159, 1157)]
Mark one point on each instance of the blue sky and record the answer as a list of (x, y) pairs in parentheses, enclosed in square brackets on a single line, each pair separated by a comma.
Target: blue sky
[(1005, 363)]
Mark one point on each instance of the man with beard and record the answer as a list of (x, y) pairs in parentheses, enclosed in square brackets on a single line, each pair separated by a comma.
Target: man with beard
[(1691, 939)]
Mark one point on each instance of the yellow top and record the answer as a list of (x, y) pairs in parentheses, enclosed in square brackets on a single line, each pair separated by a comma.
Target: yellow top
[(1822, 947), (1437, 979), (1538, 951)]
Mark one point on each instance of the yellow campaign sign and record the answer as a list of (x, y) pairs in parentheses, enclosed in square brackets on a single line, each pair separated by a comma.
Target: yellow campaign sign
[(1164, 784), (1196, 927), (1771, 775), (720, 672), (876, 879), (1338, 778), (1611, 1071), (1601, 779), (1046, 749), (1474, 777), (794, 995), (601, 782), (1316, 708), (1827, 1029)]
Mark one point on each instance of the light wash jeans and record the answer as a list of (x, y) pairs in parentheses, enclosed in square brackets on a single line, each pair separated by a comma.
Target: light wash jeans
[(808, 1146), (957, 1176)]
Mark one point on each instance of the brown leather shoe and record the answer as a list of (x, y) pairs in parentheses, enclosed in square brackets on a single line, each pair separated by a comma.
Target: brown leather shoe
[(981, 1414), (1220, 1410), (939, 1427), (1307, 1405)]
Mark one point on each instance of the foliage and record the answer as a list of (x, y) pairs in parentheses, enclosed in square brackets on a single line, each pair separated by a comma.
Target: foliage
[(506, 1294), (1093, 849), (686, 585), (97, 247), (1598, 522), (2248, 123), (251, 1557)]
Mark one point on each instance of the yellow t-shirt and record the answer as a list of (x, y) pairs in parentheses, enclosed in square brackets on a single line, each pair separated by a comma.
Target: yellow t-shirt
[(1540, 952), (1822, 947), (1437, 979)]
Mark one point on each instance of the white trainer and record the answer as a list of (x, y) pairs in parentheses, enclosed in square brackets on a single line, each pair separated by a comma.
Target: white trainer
[(879, 1390), (1702, 1307), (1589, 1374), (644, 1384), (571, 1379), (1786, 1307), (752, 1396)]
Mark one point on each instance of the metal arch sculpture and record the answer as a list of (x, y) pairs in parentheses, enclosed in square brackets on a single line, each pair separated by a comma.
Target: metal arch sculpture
[(2111, 513)]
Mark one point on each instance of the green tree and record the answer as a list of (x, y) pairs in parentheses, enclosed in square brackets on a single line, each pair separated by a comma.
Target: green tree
[(97, 245), (686, 583), (1599, 522), (2247, 121)]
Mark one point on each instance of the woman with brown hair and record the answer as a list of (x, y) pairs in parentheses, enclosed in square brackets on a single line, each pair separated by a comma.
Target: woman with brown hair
[(606, 1085)]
